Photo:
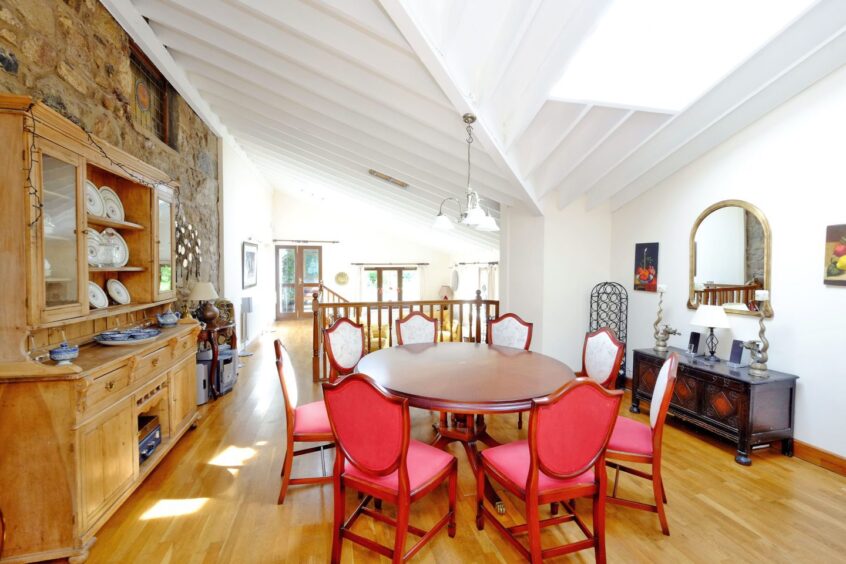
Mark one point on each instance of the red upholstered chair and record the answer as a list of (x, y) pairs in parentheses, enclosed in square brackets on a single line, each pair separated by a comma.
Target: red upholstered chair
[(509, 330), (417, 327), (304, 423), (563, 459), (377, 457), (601, 357), (345, 345), (633, 441)]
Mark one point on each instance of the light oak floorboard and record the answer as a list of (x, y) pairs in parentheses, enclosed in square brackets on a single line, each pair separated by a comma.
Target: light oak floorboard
[(778, 510)]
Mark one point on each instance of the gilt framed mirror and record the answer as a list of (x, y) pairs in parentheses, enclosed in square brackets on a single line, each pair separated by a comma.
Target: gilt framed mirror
[(730, 255)]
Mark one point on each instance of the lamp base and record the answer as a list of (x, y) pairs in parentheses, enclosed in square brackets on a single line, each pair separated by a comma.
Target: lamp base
[(711, 342)]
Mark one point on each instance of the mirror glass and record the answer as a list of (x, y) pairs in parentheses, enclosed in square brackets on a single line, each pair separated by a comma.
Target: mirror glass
[(165, 247), (729, 258)]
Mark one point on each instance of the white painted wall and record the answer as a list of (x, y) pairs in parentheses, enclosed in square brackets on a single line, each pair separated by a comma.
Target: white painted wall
[(365, 238), (522, 268), (790, 164), (247, 209)]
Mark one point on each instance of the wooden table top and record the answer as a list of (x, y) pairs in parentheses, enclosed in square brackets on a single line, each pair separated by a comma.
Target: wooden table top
[(466, 377)]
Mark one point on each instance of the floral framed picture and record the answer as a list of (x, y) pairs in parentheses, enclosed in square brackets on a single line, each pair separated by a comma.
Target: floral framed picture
[(835, 255), (646, 267), (249, 265)]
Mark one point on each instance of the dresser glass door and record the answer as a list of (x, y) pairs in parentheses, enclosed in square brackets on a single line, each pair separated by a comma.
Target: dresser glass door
[(165, 246), (61, 268)]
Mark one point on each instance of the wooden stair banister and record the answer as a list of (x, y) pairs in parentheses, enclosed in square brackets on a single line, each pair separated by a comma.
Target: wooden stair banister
[(451, 313)]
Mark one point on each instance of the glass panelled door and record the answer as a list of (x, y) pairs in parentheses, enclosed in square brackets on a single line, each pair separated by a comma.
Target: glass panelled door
[(299, 272)]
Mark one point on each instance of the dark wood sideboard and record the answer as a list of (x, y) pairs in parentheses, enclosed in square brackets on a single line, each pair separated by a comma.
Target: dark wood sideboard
[(724, 400)]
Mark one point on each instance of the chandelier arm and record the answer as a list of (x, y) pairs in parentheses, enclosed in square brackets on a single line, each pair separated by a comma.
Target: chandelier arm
[(458, 203)]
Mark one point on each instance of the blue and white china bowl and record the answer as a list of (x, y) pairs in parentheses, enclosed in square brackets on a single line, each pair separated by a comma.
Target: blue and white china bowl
[(64, 353), (128, 336)]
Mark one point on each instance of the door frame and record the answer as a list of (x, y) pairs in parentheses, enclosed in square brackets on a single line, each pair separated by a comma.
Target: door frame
[(298, 284)]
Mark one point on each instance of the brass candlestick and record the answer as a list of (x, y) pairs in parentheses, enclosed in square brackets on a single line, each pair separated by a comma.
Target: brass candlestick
[(662, 335)]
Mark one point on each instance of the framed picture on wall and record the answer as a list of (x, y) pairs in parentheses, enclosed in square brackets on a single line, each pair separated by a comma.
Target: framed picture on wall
[(249, 264), (646, 267), (835, 255)]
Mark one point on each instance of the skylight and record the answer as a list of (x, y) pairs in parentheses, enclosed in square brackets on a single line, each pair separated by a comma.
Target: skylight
[(665, 54)]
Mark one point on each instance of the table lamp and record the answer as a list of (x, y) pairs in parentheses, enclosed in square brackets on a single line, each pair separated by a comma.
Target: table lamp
[(445, 292), (711, 317), (204, 292)]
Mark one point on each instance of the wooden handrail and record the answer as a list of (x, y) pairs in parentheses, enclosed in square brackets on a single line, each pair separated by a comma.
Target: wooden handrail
[(331, 296), (460, 320)]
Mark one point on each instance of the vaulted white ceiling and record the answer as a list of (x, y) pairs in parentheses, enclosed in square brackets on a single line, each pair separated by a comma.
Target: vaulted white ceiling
[(321, 91)]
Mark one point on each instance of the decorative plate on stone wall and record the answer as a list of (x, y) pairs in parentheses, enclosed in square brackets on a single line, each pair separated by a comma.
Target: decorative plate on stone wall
[(142, 95)]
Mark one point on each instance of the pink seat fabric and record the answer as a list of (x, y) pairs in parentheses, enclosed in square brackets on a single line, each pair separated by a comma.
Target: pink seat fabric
[(512, 461), (631, 436), (424, 462), (311, 418)]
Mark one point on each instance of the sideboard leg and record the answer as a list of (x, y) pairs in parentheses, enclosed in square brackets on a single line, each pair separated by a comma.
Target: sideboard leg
[(744, 448), (787, 447), (635, 408)]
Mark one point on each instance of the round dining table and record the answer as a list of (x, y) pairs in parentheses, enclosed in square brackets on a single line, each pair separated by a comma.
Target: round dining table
[(468, 380)]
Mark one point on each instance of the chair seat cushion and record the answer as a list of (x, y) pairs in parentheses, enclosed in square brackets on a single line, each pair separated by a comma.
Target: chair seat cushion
[(311, 418), (631, 436), (424, 463), (512, 461)]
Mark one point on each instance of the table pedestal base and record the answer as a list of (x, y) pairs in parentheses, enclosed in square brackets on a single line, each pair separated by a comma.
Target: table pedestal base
[(473, 429)]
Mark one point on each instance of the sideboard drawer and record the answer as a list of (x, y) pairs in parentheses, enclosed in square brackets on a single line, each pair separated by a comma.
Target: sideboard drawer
[(154, 361), (184, 344), (107, 387)]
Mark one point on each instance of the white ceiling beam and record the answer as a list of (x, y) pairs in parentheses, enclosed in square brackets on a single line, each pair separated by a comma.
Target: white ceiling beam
[(557, 30), (356, 129), (367, 15), (348, 42), (439, 71), (807, 51), (232, 110), (550, 128), (607, 155), (364, 111), (584, 138), (131, 20)]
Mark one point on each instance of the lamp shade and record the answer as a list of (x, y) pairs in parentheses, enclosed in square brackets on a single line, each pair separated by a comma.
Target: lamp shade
[(442, 223), (487, 224), (475, 216), (710, 316), (203, 291)]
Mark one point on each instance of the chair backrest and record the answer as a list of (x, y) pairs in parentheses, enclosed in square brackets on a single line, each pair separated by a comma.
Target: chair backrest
[(417, 327), (509, 330), (345, 345), (663, 393), (570, 428), (601, 357), (371, 426), (288, 381)]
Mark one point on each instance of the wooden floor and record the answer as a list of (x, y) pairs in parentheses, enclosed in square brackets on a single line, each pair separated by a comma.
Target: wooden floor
[(213, 499)]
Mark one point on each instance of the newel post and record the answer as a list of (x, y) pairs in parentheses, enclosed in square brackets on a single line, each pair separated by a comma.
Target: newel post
[(479, 316), (315, 361)]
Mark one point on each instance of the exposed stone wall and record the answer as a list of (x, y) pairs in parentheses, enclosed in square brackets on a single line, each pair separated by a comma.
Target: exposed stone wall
[(73, 55), (754, 248)]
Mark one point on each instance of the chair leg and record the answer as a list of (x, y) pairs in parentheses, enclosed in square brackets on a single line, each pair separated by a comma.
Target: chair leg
[(553, 508), (403, 507), (533, 522), (338, 522), (599, 526), (520, 420), (658, 490), (480, 497), (286, 472), (453, 487), (663, 492)]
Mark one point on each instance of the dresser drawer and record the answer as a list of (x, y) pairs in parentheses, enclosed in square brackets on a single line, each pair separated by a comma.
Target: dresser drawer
[(108, 386), (153, 362), (184, 344)]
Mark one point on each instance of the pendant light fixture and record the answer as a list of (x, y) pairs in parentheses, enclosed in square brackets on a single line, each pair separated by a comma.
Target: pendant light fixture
[(471, 213)]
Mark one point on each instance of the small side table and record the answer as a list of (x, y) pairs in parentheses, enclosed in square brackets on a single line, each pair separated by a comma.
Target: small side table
[(212, 335)]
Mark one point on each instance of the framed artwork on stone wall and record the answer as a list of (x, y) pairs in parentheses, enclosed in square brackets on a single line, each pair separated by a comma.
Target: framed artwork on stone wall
[(646, 267), (249, 264), (835, 255)]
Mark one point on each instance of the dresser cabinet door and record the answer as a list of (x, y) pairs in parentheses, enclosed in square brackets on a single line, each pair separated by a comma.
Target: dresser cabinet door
[(107, 460), (647, 375), (183, 393)]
